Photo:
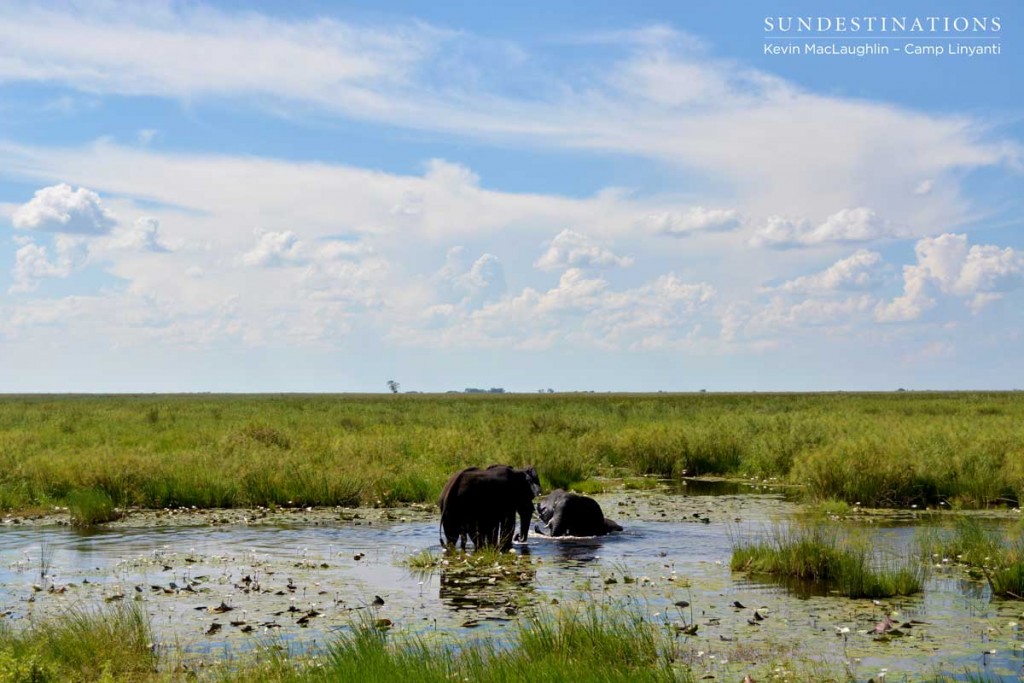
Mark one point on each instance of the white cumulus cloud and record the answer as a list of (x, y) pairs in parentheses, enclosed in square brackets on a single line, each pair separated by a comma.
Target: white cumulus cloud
[(781, 318), (32, 262), (470, 284), (858, 271), (273, 249), (570, 249), (59, 208), (691, 220), (946, 264), (847, 225), (579, 309), (142, 236)]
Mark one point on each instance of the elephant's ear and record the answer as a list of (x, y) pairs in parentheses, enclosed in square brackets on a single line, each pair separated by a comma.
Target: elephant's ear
[(533, 479)]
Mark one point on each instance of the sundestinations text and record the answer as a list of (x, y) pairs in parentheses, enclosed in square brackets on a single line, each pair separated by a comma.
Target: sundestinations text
[(882, 24)]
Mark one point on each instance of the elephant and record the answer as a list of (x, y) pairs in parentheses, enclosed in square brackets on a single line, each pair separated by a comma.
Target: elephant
[(482, 504), (569, 514)]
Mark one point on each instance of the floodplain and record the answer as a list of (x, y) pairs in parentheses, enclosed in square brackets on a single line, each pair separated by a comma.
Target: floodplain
[(746, 573)]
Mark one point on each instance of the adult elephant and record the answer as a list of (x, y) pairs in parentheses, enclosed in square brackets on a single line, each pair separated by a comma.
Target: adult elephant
[(570, 514), (482, 504)]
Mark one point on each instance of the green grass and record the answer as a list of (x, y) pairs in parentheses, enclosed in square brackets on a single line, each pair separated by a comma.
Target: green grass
[(639, 483), (83, 645), (607, 642), (819, 553), (966, 449), (593, 643), (830, 508), (89, 507)]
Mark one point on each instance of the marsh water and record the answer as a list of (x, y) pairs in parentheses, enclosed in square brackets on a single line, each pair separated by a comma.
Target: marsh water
[(225, 582)]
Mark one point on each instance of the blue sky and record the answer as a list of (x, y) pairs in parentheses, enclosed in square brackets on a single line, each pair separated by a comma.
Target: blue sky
[(325, 196)]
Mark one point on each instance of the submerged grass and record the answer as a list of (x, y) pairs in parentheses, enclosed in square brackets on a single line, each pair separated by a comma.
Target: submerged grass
[(897, 449), (819, 553)]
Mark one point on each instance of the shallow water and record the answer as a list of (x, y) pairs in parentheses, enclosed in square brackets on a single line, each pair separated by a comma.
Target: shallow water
[(675, 548)]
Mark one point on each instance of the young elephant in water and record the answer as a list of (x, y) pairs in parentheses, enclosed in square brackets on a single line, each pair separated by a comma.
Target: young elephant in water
[(569, 514)]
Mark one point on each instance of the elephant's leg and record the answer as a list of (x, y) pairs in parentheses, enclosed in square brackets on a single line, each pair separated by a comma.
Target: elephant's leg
[(507, 532), (477, 535), (452, 530), (525, 513), (493, 532)]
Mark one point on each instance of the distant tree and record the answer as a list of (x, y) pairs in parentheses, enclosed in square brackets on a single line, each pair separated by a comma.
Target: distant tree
[(393, 386)]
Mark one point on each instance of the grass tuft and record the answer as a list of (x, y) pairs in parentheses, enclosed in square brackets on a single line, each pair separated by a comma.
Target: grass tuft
[(83, 645), (594, 643), (1006, 577), (422, 560), (89, 507), (967, 543), (817, 553)]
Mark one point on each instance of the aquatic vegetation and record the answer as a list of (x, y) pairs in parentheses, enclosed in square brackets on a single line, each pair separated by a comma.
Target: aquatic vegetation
[(831, 508), (591, 486), (424, 559), (89, 507), (1006, 577), (638, 484), (83, 645), (964, 449), (819, 553), (969, 542), (987, 553)]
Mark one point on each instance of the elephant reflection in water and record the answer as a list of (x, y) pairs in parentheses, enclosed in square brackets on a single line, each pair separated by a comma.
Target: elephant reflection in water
[(499, 590)]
